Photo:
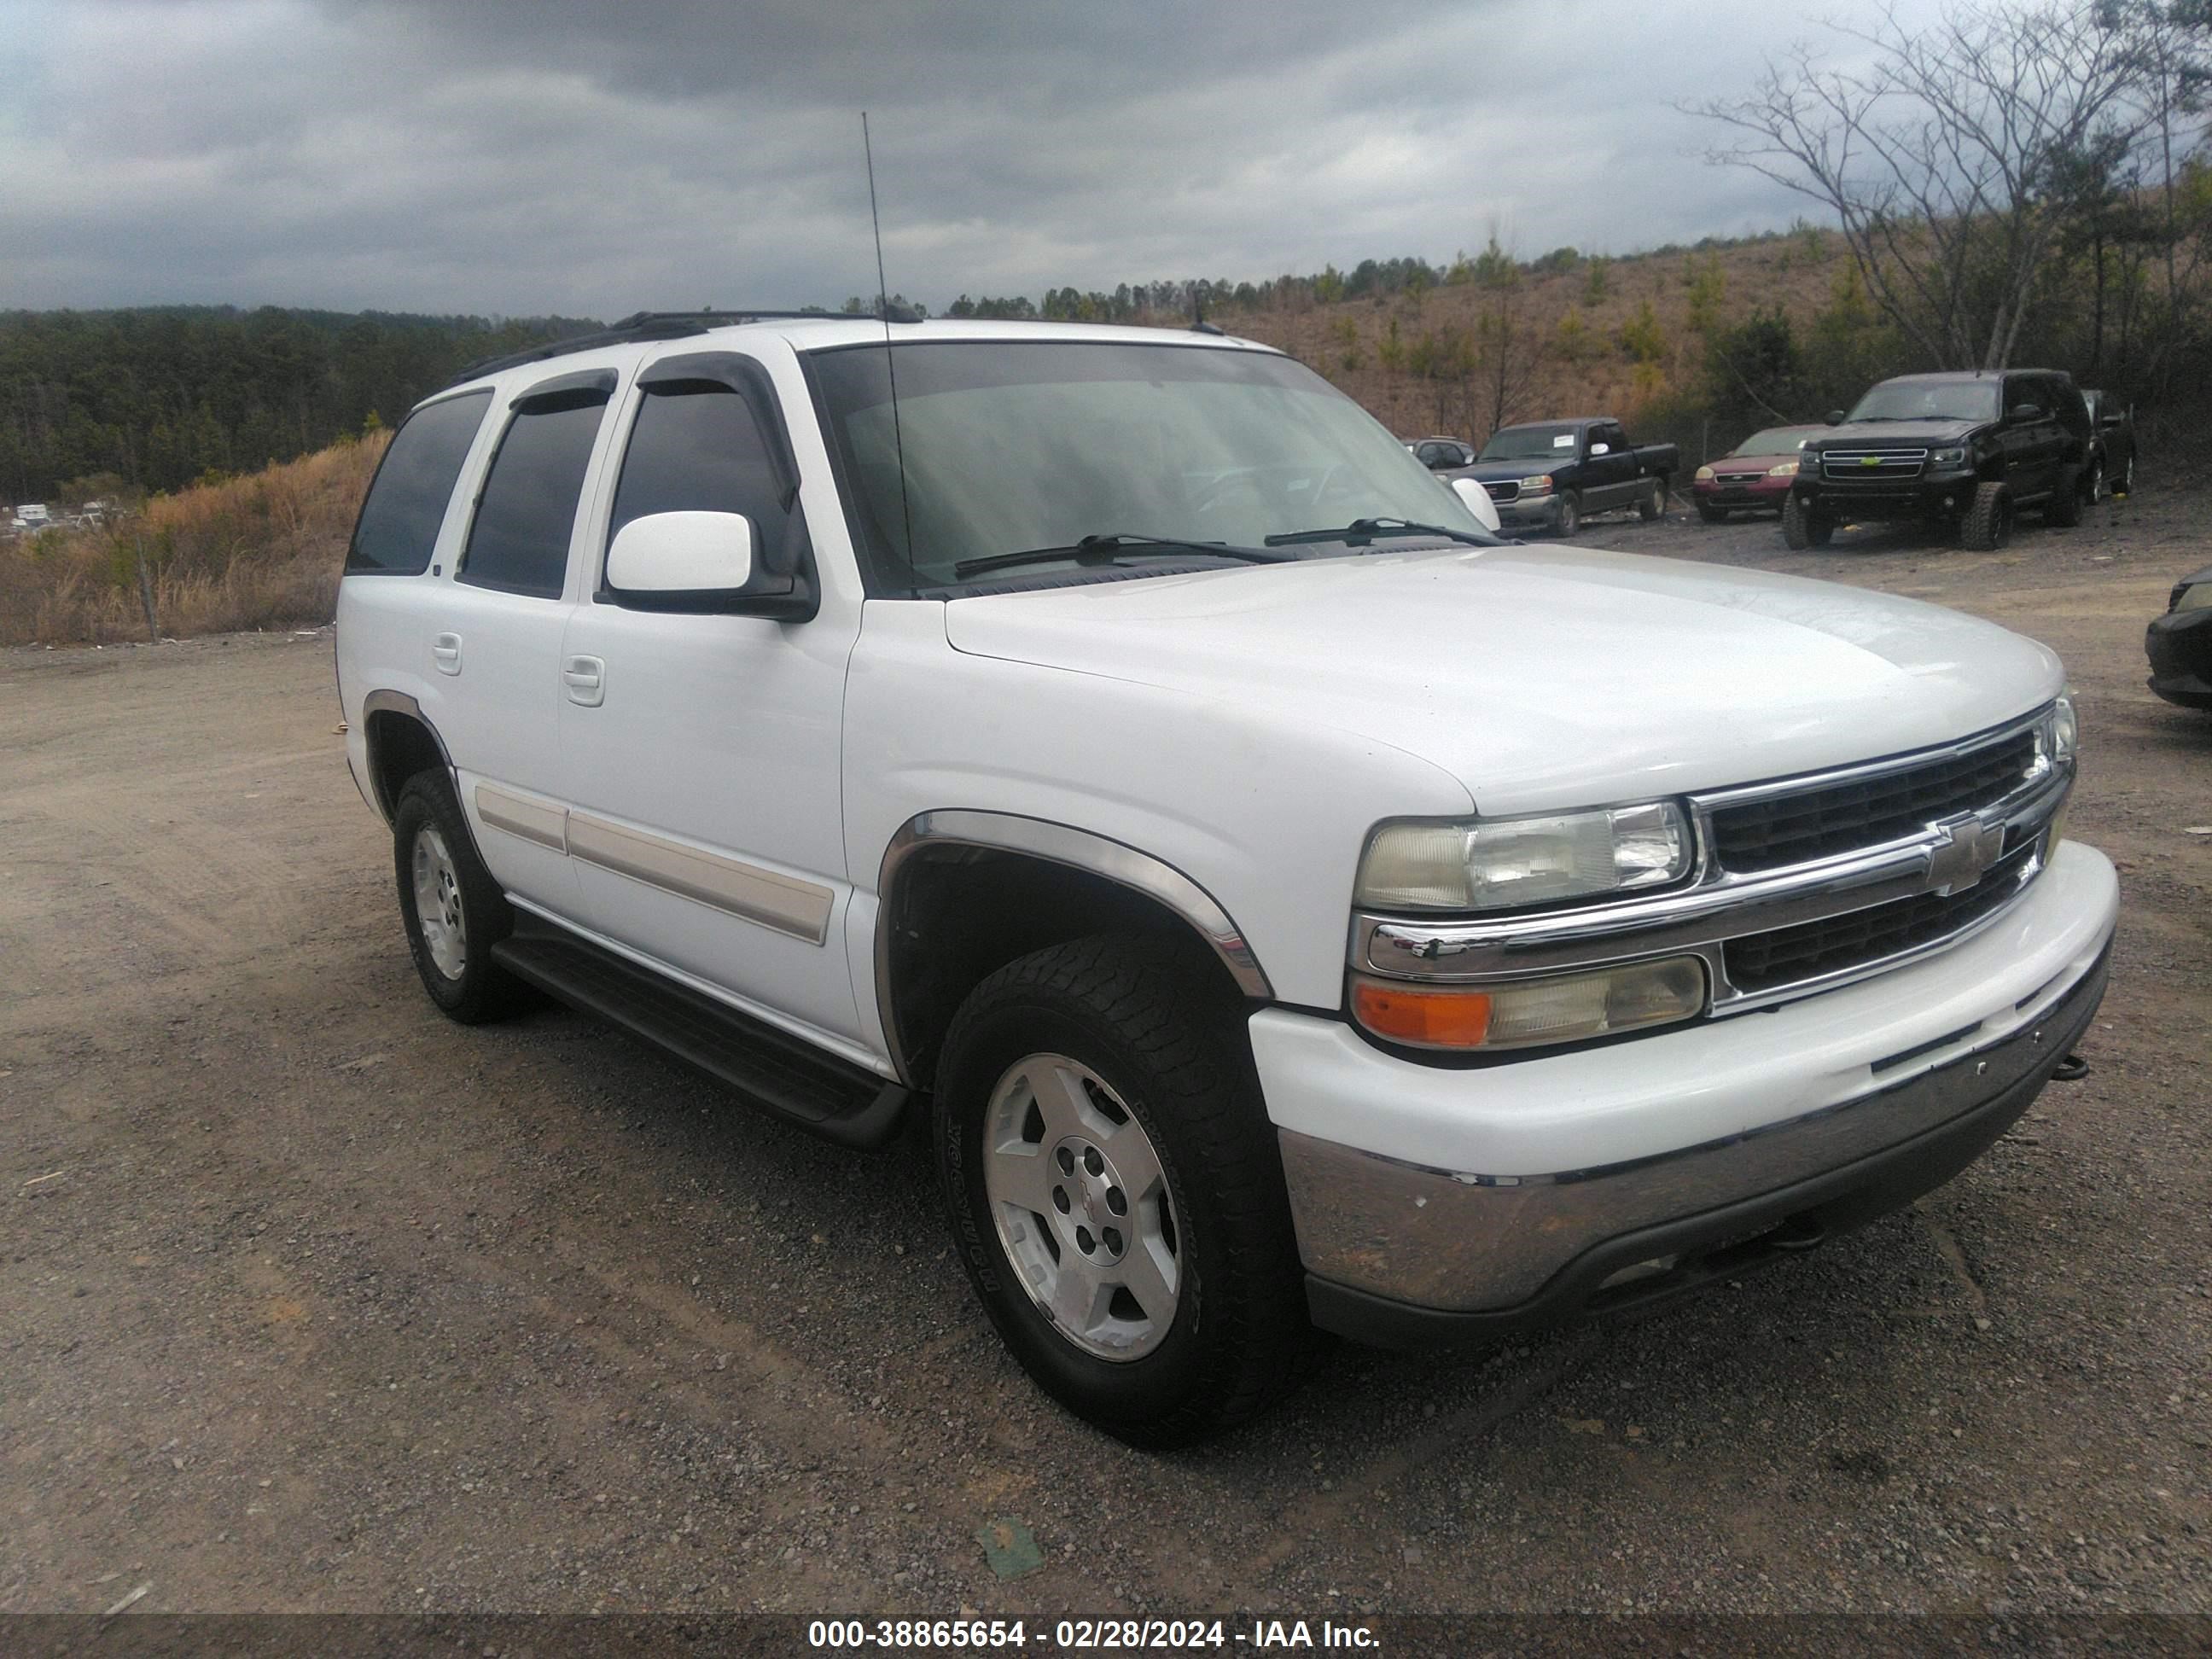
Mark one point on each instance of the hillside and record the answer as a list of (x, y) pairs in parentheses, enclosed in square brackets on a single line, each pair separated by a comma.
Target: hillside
[(260, 551), (96, 403), (1627, 337)]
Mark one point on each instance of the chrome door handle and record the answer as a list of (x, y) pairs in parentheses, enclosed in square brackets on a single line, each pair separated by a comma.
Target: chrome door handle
[(445, 652), (586, 679)]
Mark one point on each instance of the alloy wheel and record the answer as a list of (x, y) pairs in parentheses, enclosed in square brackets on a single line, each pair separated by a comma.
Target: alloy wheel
[(1081, 1207)]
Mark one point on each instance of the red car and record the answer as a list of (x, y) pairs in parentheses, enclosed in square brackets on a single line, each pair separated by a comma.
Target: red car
[(1756, 473)]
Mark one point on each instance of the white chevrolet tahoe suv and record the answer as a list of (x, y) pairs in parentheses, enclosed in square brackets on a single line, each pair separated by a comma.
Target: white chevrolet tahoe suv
[(1283, 903)]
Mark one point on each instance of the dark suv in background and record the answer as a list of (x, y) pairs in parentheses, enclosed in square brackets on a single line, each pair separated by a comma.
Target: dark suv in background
[(1969, 450)]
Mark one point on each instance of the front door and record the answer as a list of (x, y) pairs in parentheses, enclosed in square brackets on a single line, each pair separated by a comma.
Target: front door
[(699, 752)]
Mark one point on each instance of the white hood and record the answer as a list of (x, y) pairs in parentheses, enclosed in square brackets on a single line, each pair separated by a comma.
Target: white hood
[(1544, 677)]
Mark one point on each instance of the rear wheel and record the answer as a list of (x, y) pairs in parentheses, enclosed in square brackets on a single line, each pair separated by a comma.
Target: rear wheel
[(1567, 516), (1115, 1190), (1802, 528), (452, 907), (1654, 502), (2126, 483), (1988, 524)]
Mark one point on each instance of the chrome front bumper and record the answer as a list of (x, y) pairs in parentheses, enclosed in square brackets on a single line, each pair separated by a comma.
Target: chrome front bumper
[(1399, 1254)]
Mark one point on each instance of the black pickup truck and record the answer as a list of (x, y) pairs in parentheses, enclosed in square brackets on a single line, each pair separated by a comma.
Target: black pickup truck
[(1963, 449), (1552, 474)]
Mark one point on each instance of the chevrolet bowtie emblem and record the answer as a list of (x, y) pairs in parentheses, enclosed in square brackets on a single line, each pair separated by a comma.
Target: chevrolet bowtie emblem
[(1870, 461), (1965, 849)]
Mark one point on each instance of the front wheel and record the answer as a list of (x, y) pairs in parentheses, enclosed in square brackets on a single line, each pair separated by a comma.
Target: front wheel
[(1802, 528), (1988, 524), (1712, 514), (1567, 516), (1115, 1191)]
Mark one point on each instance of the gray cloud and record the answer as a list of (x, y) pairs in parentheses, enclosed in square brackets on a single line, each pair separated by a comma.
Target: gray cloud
[(521, 156)]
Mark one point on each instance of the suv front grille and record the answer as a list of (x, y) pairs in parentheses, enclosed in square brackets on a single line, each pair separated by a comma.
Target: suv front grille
[(1504, 492), (1872, 465), (1843, 817), (1791, 956)]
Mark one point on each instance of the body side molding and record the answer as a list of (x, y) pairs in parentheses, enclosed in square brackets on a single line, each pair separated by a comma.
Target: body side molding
[(1057, 843)]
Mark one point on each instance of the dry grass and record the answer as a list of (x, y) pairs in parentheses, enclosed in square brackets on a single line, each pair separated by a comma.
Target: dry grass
[(257, 552)]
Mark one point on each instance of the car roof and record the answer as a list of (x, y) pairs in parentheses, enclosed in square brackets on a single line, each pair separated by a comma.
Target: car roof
[(626, 344), (1964, 376)]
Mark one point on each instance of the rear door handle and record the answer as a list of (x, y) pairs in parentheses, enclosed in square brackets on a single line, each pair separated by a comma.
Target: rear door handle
[(445, 652), (586, 680)]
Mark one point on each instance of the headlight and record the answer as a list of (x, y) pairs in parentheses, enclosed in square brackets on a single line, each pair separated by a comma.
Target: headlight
[(1946, 458), (1494, 863), (1704, 475), (2192, 598), (1787, 470), (1523, 1013), (1539, 486), (2065, 728)]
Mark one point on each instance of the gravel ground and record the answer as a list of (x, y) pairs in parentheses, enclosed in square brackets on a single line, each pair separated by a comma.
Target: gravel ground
[(316, 1302)]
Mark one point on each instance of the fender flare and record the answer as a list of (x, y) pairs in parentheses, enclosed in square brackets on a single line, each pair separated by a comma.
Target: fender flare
[(396, 702), (1056, 843)]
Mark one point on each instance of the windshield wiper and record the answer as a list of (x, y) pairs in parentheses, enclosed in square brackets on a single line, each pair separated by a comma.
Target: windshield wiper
[(1367, 530), (1101, 549)]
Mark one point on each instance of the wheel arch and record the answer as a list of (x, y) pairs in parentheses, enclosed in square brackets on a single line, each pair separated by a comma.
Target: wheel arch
[(401, 742), (962, 893)]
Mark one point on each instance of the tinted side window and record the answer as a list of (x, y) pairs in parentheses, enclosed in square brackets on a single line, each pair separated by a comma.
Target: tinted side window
[(696, 448), (520, 541), (398, 522)]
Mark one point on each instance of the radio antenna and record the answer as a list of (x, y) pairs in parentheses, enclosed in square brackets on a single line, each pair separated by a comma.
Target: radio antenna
[(890, 362)]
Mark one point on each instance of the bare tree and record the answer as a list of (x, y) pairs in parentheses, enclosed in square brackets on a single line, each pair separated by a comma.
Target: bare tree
[(1950, 155)]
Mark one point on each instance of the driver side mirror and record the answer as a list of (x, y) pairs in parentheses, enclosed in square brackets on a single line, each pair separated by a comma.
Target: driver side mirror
[(2023, 413), (1835, 417), (701, 562)]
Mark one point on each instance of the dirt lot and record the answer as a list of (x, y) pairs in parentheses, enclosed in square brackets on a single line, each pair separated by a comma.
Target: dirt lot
[(315, 1301)]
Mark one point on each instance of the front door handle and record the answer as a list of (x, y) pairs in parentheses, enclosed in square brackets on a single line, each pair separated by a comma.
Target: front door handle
[(445, 652), (586, 680)]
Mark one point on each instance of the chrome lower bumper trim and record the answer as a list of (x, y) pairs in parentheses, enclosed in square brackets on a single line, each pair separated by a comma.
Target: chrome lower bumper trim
[(1470, 1243)]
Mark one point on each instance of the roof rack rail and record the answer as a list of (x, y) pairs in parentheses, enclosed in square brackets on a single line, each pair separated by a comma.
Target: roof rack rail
[(640, 325)]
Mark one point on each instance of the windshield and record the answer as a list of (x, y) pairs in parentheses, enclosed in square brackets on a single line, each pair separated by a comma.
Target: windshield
[(1011, 445), (1775, 441), (1528, 443), (1929, 400)]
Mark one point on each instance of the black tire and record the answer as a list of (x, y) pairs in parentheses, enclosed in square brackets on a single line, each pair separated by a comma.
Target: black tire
[(1152, 1021), (1654, 502), (2126, 486), (1712, 514), (481, 990), (1567, 516), (1988, 524), (2064, 510), (1800, 528)]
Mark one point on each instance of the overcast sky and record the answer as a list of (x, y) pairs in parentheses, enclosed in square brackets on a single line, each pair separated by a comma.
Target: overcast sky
[(527, 156)]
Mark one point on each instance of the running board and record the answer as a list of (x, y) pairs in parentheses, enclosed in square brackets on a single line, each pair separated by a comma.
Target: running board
[(775, 1071)]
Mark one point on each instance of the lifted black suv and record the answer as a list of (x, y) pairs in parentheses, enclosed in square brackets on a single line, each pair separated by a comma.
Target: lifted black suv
[(1964, 450)]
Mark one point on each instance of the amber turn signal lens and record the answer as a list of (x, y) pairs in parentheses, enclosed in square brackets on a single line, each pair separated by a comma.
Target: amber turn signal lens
[(1430, 1018)]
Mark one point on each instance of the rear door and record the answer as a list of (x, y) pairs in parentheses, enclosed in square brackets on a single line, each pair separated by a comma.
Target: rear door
[(495, 637), (699, 753)]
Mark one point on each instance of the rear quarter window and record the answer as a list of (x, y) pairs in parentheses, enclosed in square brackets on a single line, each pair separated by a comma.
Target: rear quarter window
[(413, 487)]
